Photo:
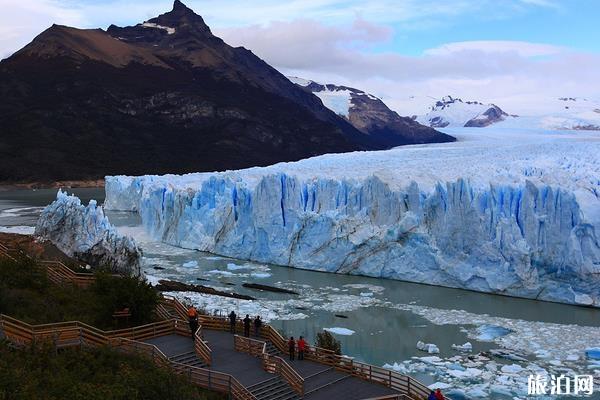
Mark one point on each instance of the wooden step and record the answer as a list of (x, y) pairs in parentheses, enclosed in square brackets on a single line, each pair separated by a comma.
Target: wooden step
[(273, 389)]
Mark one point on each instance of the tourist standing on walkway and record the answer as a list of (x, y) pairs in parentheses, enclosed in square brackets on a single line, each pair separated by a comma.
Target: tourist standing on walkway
[(232, 318), (247, 321), (193, 319), (439, 395), (292, 348), (301, 348), (257, 325), (432, 396)]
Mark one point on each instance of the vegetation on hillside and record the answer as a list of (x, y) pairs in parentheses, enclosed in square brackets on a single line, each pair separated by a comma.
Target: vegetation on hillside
[(26, 294), (90, 374)]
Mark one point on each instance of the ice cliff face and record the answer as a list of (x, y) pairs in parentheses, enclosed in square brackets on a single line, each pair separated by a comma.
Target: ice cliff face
[(86, 233), (519, 236)]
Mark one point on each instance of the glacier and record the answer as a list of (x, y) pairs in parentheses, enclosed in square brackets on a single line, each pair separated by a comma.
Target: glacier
[(85, 233), (509, 212)]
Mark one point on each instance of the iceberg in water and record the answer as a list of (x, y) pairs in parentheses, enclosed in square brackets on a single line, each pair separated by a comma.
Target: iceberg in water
[(86, 234), (514, 215)]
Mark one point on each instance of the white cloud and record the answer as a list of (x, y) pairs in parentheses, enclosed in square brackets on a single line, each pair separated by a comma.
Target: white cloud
[(524, 49), (22, 20), (495, 71)]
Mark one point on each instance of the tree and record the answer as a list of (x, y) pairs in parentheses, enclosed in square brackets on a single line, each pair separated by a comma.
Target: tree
[(326, 341)]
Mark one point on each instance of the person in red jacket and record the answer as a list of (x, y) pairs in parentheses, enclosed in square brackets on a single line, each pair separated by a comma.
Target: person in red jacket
[(439, 395), (301, 347)]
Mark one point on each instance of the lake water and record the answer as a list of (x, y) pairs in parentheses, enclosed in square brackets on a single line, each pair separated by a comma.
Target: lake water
[(387, 317)]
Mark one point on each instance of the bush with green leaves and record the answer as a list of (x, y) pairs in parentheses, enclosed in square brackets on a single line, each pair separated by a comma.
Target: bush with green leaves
[(326, 341), (89, 374), (27, 294)]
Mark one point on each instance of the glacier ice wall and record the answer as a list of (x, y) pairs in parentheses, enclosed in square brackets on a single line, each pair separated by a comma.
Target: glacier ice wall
[(527, 240), (86, 233)]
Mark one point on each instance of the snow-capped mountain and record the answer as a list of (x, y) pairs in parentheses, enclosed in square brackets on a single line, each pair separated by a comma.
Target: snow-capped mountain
[(454, 112), (371, 116), (564, 113)]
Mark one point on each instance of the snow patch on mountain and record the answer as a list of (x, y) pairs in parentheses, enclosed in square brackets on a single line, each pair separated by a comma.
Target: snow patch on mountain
[(169, 30)]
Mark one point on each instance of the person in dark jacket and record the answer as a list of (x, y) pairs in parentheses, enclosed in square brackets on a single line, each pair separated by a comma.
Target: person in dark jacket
[(257, 325), (292, 348), (247, 321), (232, 318), (432, 396)]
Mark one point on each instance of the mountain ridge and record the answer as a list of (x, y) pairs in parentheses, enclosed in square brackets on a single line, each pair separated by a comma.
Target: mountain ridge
[(371, 115)]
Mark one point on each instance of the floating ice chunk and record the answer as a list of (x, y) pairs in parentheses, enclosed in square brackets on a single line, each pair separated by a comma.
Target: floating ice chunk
[(20, 229), (260, 275), (366, 294), (573, 357), (466, 348), (235, 267), (190, 264), (428, 347), (488, 333), (396, 367), (219, 272), (439, 385), (340, 331), (431, 359), (511, 369), (512, 355), (468, 373), (593, 353)]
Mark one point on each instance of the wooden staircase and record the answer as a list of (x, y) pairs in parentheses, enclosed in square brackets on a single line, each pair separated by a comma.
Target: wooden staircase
[(275, 388), (189, 358)]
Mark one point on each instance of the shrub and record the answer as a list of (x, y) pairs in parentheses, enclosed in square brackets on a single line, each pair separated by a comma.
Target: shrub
[(90, 374), (116, 293), (326, 341), (26, 294)]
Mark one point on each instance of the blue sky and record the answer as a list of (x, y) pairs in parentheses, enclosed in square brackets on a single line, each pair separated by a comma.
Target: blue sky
[(494, 50)]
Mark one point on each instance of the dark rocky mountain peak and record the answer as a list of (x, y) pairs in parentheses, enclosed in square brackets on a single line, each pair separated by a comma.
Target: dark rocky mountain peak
[(162, 96), (183, 18)]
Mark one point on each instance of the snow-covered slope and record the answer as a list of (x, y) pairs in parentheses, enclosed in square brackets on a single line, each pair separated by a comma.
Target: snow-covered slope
[(454, 112), (371, 116), (564, 113), (510, 212), (86, 233)]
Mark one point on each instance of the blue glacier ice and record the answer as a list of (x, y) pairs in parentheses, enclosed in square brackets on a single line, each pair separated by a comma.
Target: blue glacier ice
[(519, 221), (85, 233)]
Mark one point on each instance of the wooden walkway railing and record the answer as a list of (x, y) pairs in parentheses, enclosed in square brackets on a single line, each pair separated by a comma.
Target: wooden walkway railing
[(6, 252), (404, 384), (75, 333), (271, 364), (201, 347), (72, 331)]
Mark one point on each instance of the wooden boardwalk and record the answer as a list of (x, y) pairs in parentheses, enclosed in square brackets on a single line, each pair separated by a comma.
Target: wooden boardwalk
[(243, 368), (321, 381)]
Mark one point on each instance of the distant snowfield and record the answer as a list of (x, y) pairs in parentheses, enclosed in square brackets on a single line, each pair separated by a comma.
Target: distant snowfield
[(503, 211)]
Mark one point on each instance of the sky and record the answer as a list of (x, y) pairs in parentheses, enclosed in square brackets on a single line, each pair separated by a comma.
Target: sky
[(515, 53)]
